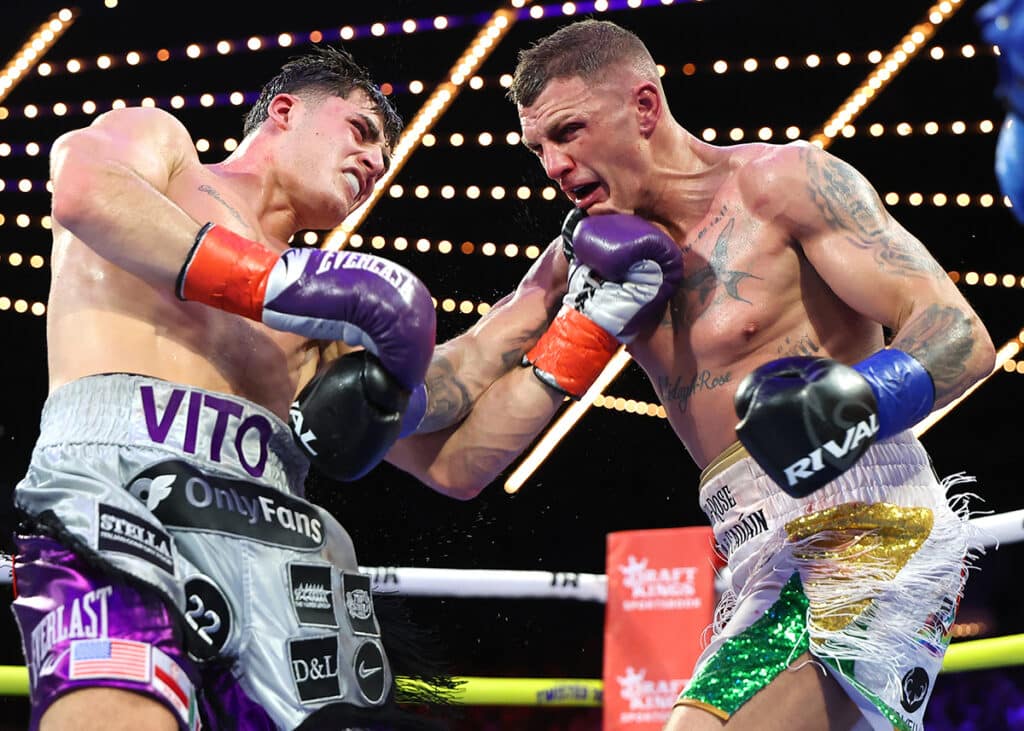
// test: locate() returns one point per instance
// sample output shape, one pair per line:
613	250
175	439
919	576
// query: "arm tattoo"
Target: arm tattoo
942	339
449	399
513	357
211	191
849	204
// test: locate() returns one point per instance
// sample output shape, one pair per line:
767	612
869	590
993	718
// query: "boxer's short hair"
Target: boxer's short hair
325	71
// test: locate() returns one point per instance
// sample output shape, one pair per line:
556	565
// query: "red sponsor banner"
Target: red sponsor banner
661	599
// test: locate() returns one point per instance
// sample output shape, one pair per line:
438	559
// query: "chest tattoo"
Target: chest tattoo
802	345
716	273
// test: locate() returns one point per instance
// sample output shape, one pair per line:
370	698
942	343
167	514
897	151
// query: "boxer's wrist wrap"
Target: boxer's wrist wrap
902	386
414	412
572	353
226	271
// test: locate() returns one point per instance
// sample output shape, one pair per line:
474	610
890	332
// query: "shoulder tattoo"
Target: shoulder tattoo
850	205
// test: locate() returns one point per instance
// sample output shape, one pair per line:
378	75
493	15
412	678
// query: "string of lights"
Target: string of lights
254	44
886	70
476	83
376	29
781	63
913	199
34	49
512	138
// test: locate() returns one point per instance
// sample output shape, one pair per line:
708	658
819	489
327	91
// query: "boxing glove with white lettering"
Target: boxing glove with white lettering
361	299
349	416
805	420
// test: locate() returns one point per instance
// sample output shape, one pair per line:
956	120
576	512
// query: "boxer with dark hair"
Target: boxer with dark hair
776	273
170	573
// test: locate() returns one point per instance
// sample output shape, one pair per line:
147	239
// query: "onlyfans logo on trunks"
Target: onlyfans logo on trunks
659	588
205	425
183	497
650	701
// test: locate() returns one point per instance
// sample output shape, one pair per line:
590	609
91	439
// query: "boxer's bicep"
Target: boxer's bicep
862	253
111	190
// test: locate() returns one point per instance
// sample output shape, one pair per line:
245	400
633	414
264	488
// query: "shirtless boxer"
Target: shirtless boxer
846	559
169	572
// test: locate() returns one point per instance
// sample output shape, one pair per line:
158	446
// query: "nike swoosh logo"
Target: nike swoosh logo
365	672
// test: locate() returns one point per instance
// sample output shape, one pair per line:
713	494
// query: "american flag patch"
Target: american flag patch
121	659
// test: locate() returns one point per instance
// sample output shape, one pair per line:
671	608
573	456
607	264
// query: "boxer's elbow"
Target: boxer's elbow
420	457
984	351
80	185
460	484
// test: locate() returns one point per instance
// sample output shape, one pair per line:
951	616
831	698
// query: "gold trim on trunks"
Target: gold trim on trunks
852	543
729	456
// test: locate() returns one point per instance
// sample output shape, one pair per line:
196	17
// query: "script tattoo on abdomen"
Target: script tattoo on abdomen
679	392
942	339
849	204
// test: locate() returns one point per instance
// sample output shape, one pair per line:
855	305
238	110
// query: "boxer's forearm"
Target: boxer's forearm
952	344
461	461
465	367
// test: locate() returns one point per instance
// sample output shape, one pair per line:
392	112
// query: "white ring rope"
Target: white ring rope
993	530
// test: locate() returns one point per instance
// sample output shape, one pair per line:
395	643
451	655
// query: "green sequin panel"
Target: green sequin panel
746	663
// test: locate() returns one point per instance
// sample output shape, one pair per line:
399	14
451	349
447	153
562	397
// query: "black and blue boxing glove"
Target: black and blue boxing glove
807	420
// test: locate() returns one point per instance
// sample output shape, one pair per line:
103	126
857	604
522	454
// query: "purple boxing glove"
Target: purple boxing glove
623	270
361	299
637	268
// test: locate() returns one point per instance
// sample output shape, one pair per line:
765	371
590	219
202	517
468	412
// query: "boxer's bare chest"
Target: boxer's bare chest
739	304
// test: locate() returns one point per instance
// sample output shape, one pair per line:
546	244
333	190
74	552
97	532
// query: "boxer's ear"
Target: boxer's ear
649	107
282	109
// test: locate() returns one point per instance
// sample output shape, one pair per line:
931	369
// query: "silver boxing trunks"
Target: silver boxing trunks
170	552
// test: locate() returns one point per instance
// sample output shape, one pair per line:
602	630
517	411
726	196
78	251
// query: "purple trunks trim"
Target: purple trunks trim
61	599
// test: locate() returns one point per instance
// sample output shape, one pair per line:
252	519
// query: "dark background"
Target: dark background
615	471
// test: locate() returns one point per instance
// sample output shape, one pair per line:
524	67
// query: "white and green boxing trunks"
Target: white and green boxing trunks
864	574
